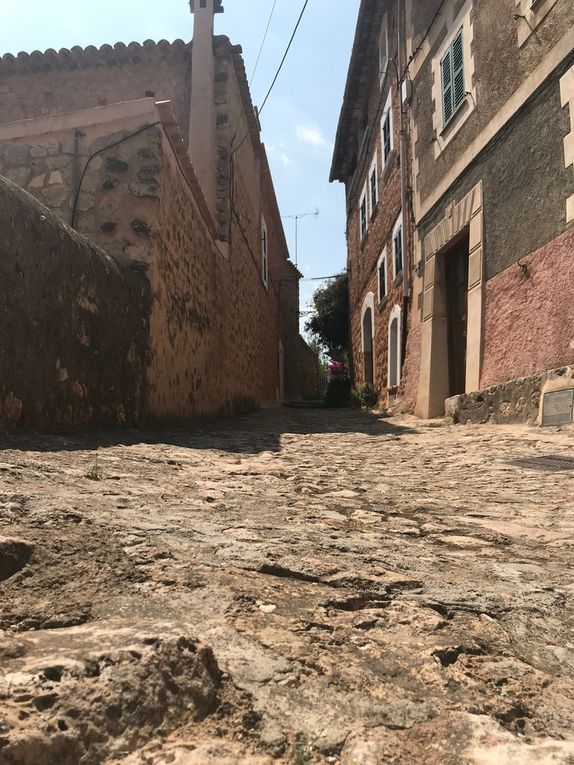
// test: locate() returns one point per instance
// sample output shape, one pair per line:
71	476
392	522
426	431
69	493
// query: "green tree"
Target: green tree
330	320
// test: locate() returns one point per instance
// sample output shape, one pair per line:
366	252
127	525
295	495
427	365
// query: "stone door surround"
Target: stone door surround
567	99
434	378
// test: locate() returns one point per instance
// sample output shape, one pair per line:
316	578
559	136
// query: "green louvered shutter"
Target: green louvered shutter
446	74
458	71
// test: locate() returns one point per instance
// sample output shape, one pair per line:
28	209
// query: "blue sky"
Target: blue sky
300	118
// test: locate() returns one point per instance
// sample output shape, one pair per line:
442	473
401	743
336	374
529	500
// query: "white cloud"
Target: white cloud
285	159
310	135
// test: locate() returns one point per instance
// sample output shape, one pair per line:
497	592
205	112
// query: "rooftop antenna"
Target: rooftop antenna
296	218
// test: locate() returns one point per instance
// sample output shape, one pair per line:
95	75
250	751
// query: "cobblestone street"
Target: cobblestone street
297	586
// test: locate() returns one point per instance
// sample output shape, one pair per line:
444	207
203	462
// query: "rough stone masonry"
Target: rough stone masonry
293	587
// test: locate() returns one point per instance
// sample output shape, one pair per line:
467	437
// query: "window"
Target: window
373	185
363	217
452	78
367	335
387	129
394	352
264	253
383	50
398	247
382	275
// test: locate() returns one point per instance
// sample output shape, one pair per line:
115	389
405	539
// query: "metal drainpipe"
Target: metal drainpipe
404	201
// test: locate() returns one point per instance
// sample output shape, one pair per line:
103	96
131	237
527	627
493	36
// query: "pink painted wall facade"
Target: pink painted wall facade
529	314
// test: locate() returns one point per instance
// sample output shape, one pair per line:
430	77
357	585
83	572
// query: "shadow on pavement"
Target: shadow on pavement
246	434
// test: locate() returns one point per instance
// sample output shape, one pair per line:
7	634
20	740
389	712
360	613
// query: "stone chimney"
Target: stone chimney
202	123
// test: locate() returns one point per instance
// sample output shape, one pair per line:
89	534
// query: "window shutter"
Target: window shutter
382	279
446	75
458	71
387	135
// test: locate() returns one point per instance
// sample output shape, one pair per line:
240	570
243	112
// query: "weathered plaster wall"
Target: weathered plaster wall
73	348
500	67
54	83
525	182
529	314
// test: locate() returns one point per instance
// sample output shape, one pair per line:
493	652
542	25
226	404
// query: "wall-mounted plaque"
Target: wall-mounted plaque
558	407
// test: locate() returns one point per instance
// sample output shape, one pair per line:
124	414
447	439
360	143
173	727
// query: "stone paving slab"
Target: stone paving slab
367	590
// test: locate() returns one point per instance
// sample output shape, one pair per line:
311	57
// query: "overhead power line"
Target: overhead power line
277	73
263	42
256	64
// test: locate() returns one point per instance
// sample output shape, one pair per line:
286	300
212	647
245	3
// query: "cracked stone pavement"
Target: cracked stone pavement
294	586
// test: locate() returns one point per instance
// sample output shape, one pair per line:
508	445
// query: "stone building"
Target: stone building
371	159
153	153
487	90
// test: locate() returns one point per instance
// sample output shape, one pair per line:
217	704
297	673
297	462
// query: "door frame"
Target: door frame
433	382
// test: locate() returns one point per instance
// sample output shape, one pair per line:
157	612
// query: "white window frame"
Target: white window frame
388	112
396	313
444	134
396	228
383	49
264	253
363	199
373	170
382	260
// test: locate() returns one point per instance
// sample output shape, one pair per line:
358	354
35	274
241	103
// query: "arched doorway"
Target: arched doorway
367	333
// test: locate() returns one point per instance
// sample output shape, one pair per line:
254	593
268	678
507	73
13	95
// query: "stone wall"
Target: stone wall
214	325
514	401
74	334
118	188
310	377
54	83
363	253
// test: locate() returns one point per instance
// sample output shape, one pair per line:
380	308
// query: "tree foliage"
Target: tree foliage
330	320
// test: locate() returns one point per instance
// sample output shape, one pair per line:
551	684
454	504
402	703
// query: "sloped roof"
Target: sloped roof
120	54
364	49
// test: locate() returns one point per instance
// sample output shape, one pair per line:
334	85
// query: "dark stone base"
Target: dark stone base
515	401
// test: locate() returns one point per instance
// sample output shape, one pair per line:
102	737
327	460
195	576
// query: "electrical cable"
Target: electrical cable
263	43
95	154
426	34
306	3
400	78
256	65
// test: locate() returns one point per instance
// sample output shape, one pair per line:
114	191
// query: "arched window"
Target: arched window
367	334
394	371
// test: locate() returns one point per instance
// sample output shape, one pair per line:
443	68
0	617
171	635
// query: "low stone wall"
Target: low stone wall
73	326
515	401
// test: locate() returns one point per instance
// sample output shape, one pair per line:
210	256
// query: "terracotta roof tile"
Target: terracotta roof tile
77	57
